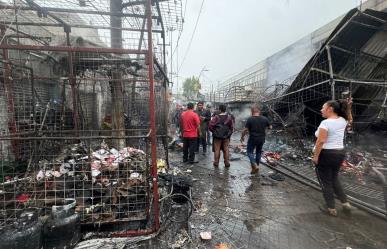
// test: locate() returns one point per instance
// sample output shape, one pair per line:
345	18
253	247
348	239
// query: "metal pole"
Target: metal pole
9	95
72	49
118	123
76	11
72	83
170	31
212	91
152	115
383	180
331	77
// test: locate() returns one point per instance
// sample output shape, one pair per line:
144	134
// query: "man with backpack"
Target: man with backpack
256	128
221	126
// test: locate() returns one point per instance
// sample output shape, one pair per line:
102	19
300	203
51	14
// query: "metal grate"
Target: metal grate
75	117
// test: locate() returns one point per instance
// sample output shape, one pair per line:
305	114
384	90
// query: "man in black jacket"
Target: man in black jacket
205	117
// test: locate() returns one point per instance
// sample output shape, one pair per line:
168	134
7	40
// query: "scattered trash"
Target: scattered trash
277	176
234	159
205	235
221	246
22	198
180	241
271	158
106	178
24	233
177	142
274	155
161	166
203	211
63	228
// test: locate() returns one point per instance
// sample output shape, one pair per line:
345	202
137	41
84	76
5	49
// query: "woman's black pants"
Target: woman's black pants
327	171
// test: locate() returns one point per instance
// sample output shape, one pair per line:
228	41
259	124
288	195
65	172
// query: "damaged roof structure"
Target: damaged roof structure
351	63
346	58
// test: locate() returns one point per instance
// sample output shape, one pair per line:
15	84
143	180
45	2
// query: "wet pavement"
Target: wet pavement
244	211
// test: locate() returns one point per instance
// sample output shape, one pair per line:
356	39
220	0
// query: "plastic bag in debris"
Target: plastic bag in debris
205	235
277	176
129	151
135	175
161	166
100	154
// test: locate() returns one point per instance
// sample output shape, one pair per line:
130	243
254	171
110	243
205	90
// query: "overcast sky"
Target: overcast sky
233	35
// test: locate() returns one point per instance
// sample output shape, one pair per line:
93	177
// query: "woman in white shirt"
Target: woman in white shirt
329	153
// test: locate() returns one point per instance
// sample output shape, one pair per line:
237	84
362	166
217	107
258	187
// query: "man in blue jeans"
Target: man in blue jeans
256	128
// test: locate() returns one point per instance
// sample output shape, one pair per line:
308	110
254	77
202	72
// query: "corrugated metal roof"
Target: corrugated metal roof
358	50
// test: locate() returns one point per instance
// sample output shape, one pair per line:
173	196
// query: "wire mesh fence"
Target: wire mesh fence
78	138
75	114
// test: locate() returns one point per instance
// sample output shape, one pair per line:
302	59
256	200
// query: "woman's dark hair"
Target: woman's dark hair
340	107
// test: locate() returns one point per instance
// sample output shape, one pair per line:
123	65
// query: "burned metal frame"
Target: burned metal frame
325	69
15	136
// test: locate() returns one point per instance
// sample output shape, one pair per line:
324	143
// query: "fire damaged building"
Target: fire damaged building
83	104
346	58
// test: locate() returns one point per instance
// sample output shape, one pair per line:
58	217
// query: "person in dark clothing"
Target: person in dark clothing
177	114
256	128
209	140
205	117
329	153
221	126
189	125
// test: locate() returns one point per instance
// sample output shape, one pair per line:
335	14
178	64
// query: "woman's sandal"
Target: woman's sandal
328	211
347	208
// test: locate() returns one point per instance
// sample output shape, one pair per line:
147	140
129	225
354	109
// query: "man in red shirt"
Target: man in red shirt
189	126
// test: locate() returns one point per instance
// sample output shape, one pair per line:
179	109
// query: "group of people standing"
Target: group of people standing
328	153
195	126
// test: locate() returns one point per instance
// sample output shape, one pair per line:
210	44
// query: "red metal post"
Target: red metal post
152	114
9	95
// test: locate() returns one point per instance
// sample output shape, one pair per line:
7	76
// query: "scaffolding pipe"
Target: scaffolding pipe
80	26
75	11
153	135
118	122
72	83
9	95
72	49
331	76
153	138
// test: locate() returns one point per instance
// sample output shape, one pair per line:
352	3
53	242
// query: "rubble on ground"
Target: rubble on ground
105	182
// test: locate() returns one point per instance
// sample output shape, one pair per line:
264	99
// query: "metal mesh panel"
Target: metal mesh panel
83	136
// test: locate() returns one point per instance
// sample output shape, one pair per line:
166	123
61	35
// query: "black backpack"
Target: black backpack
222	131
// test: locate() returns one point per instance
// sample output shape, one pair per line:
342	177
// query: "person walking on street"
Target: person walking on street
189	125
329	153
205	117
256	128
221	126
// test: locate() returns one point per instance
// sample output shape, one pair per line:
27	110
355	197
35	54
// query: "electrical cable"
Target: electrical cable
180	33
192	36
